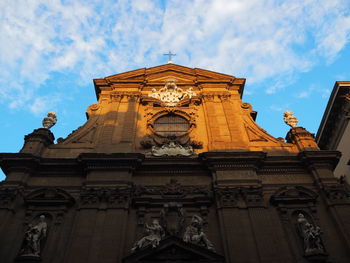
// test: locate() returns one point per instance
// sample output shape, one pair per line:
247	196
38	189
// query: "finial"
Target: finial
169	55
50	120
290	119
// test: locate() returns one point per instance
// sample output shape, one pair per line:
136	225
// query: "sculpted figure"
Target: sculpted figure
155	233
50	120
290	119
33	237
311	235
194	233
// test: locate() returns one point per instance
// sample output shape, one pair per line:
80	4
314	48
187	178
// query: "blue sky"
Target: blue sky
290	52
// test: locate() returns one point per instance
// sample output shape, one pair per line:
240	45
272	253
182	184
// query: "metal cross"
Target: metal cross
170	55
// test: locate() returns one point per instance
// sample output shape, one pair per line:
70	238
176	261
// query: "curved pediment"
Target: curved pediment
295	194
49	196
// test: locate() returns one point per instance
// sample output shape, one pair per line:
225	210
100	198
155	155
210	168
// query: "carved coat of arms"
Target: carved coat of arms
171	94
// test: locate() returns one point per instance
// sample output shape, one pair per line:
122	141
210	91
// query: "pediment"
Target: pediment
173	249
295	194
49	196
167	71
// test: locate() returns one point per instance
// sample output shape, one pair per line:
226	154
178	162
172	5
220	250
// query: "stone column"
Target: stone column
234	175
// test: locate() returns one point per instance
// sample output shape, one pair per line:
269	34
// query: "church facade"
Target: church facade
171	166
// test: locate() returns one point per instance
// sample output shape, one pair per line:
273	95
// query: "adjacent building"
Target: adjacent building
334	130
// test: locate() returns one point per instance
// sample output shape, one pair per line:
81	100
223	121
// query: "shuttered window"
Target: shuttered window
171	125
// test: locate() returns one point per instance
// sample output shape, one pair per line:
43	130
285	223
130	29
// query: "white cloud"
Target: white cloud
255	39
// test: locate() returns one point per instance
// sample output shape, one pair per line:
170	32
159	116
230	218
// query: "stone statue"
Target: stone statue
50	120
290	119
33	238
155	233
194	233
311	235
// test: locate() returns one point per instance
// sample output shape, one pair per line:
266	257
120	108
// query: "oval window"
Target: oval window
171	125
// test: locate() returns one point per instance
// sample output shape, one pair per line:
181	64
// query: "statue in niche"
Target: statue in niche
155	233
311	235
194	234
33	238
50	120
290	119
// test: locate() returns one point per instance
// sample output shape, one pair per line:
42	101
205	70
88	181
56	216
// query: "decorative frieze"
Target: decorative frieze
113	197
173	189
229	196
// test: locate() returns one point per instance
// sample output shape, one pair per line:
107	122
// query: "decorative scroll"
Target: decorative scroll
172	149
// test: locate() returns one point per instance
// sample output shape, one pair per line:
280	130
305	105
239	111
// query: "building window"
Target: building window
171	126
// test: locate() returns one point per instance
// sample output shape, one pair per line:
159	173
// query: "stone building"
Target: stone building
334	130
171	166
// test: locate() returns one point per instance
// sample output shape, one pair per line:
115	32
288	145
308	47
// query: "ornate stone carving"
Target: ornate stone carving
290	119
155	233
171	95
172	190
194	234
311	235
112	196
172	149
34	237
336	192
50	120
8	195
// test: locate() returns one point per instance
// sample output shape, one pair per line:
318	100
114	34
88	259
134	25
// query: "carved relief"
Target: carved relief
172	149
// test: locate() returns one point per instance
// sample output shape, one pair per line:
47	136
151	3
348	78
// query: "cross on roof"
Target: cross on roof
170	55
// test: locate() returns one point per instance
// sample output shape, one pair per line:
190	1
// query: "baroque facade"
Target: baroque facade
171	166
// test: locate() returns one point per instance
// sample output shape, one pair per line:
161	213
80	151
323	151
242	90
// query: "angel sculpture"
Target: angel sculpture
194	233
155	234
